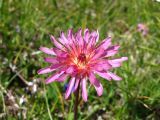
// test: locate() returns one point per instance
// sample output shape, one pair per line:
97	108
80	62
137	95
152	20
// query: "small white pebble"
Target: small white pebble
34	88
22	100
36	52
30	83
13	67
100	118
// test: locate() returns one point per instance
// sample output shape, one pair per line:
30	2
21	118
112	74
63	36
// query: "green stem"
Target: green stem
76	103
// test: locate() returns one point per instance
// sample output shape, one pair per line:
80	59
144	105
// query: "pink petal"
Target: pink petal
70	34
62	78
63	38
70	70
61	59
56	66
70	87
65	42
99	89
59	52
78	33
96	84
63	68
115	47
97	67
93	79
72	45
76	84
47	50
84	90
79	38
91	42
45	70
117	62
61	41
105	43
53	77
114	64
95	34
114	77
98	54
119	59
86	35
103	74
97	38
112	51
51	60
57	44
101	65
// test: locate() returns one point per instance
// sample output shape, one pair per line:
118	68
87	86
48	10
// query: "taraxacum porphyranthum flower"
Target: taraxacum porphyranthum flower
81	57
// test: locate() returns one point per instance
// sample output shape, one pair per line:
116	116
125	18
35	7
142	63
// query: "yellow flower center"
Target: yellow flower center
80	61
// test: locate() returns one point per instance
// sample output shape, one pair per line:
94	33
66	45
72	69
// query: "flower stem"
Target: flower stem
76	103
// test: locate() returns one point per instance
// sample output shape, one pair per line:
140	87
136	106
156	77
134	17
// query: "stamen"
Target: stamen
82	57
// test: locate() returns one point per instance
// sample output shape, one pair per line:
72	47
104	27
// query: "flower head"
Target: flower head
81	57
143	29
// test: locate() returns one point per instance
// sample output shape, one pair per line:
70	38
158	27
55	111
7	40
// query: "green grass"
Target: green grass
25	26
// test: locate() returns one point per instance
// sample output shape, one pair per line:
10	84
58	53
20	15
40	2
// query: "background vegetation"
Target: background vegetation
24	27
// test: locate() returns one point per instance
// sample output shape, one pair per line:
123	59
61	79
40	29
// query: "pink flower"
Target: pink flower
143	29
81	58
